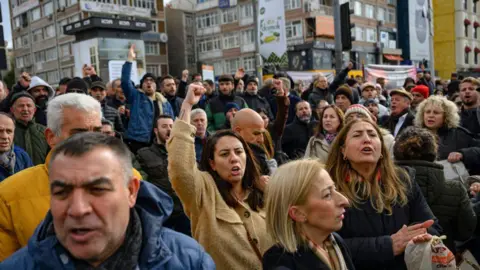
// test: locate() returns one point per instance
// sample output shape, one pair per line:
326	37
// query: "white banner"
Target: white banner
271	34
419	30
115	71
395	75
307	76
91	6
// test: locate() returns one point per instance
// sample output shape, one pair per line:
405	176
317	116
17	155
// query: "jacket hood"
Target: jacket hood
153	207
37	81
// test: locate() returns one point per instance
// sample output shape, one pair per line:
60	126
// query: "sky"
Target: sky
7	30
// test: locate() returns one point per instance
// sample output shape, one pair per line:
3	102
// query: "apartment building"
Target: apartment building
457	37
42	48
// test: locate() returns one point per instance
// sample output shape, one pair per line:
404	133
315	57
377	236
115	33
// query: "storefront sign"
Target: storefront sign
90	6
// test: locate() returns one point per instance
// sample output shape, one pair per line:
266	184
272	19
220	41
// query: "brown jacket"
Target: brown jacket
220	229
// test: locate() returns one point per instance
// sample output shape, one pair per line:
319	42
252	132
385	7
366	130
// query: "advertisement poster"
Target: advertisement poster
393	74
419	30
271	34
115	70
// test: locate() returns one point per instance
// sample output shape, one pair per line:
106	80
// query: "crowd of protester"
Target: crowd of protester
186	173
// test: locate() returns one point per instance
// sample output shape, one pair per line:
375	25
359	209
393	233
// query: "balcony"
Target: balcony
246	21
209	55
247	48
209	30
315	8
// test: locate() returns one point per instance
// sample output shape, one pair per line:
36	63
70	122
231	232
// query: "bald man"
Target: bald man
249	124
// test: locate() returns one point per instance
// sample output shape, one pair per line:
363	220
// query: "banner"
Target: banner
307	76
394	75
271	34
207	72
419	30
114	9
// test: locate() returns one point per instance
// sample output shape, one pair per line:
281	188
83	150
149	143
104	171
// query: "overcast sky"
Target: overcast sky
7	30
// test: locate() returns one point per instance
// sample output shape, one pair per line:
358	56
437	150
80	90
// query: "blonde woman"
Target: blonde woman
303	211
455	143
388	209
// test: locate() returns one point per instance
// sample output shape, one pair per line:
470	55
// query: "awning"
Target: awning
392	57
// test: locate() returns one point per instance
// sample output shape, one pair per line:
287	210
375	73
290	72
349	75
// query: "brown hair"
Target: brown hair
251	176
471	80
319	127
383	194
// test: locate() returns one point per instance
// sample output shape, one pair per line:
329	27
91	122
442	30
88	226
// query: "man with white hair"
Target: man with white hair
25	196
198	118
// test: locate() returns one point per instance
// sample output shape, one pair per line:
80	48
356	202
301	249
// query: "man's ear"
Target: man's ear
133	187
51	138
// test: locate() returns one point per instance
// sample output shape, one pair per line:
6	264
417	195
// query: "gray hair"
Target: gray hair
197	111
76	101
85	142
268	82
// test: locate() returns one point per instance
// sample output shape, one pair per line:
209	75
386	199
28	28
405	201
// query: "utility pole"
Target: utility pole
338	36
258	57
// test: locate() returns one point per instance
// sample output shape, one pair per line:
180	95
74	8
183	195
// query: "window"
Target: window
53	77
48	9
93	57
17	22
207	20
74	18
370	58
25	40
67	72
249	63
149	4
51	54
60	26
37	35
391	16
231	65
474	6
369	11
381	14
475	29
231	41
153	69
467	54
163	49
371	35
357	8
246	11
475	58
248	36
18	42
465	5
466	30
154	26
218	67
62	3
292	4
152	48
49	31
293	29
209	44
65	50
19	62
191	60
35	14
229	15
71	2
359	33
40	57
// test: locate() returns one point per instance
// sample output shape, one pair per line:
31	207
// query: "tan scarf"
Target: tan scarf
330	253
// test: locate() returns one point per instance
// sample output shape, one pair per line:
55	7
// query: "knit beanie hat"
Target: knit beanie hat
251	79
147	75
422	89
20	95
346	91
231	105
357	108
76	85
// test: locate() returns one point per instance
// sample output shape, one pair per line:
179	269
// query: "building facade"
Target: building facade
41	47
457	41
225	36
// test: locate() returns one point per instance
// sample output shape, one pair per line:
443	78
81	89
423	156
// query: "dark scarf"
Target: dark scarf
7	161
126	257
394	120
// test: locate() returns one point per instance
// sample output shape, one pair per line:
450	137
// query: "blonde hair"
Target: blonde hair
471	80
390	190
450	111
288	186
287	84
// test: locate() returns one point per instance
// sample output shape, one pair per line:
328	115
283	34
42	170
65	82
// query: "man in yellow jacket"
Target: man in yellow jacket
25	196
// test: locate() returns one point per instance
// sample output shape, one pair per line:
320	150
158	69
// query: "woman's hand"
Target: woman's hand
401	238
421	238
262	182
455	157
474	188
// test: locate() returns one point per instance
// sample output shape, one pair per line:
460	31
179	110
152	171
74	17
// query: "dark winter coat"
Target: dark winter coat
462	141
216	110
175	103
199	144
112	115
368	234
255	102
470	119
265	165
161	248
22	161
318	94
31	138
277	258
448	201
296	136
389	122
291	109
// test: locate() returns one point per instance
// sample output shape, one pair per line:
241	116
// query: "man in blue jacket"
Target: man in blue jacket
146	106
103	217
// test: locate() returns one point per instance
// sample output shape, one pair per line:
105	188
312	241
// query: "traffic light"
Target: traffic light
346	26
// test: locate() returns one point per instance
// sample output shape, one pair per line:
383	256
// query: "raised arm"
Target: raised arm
340	78
126	83
282	110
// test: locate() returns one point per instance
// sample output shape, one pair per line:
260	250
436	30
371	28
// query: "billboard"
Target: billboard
271	34
419	30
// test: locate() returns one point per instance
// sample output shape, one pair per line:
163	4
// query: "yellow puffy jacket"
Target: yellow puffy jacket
24	202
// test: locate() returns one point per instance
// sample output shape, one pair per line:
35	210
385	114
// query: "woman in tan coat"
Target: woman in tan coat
331	121
224	201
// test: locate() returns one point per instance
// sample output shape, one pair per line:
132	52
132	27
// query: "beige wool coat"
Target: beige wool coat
220	229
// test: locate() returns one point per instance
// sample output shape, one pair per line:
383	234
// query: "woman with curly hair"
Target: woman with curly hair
417	148
388	209
331	121
455	143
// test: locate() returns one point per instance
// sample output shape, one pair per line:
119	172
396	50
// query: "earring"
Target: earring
381	156
345	157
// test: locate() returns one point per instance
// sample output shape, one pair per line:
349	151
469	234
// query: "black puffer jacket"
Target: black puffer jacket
448	201
296	136
255	102
368	233
462	141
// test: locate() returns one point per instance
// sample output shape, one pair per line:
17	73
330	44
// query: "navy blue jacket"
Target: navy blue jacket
22	161
162	248
142	112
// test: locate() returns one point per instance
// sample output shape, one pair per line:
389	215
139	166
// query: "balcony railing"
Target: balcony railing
317	9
